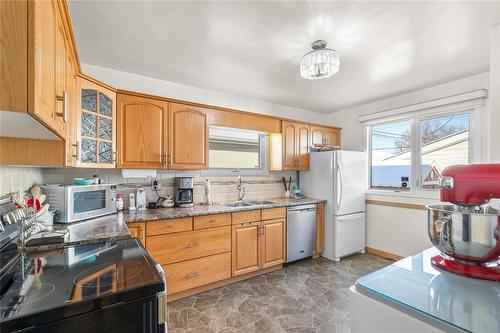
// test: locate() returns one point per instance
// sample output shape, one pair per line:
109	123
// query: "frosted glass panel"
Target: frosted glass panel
105	152
105	128
105	105
89	100
89	124
88	154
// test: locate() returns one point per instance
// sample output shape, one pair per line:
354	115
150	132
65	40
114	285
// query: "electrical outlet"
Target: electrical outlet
155	184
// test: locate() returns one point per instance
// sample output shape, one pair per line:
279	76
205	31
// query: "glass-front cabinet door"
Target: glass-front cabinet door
96	126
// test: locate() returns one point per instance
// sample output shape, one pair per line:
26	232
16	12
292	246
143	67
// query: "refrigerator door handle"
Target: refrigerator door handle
340	186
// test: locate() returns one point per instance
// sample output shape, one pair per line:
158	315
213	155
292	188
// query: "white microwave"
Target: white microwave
79	202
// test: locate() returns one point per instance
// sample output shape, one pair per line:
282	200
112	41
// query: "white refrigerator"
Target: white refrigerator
340	178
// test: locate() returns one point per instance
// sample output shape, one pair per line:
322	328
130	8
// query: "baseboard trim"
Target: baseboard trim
218	284
383	254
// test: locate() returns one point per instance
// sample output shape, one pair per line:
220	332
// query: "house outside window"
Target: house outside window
413	152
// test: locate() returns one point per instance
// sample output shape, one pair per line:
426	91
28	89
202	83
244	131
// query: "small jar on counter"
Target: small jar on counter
119	202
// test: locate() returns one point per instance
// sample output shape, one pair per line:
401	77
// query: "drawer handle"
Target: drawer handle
211	221
192	245
191	275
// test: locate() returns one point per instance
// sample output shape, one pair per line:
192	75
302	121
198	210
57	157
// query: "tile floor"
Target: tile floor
308	296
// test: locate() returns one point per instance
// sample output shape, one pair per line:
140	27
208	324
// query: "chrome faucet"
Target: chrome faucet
241	189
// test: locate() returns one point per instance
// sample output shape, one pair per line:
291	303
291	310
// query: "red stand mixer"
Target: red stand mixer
467	231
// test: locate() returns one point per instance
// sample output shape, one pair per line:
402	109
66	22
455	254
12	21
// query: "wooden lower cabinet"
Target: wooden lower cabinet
197	272
258	245
171	248
245	248
138	230
273	237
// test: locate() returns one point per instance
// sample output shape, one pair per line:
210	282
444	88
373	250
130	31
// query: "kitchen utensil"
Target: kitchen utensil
289	183
284	183
467	231
83	181
36	192
42	198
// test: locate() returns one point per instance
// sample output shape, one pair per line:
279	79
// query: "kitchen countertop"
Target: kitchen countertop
414	283
199	209
114	226
101	229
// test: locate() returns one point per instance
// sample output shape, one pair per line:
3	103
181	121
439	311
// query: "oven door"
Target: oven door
90	201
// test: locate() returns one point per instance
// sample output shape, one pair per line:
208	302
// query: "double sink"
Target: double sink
247	203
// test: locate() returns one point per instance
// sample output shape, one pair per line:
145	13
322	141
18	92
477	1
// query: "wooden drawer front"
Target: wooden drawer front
169	226
247	216
167	249
273	213
210	221
197	272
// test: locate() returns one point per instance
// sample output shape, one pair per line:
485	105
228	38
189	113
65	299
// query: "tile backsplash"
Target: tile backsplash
13	179
223	188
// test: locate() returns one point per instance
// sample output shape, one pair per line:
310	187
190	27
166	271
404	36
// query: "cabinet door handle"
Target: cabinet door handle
192	245
191	275
77	150
114	156
64	99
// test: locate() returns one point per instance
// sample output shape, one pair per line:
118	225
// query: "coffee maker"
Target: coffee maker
183	189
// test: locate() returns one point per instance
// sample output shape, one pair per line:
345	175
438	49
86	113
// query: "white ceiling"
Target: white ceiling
252	48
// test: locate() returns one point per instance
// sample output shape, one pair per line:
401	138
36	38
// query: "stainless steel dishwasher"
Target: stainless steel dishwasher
300	232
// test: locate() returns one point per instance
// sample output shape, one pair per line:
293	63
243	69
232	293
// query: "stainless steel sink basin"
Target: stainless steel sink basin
260	202
237	204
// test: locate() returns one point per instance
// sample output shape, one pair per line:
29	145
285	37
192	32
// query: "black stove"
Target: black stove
105	287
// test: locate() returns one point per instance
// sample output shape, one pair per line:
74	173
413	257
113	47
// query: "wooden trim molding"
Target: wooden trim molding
396	204
383	254
248	114
20	151
95	81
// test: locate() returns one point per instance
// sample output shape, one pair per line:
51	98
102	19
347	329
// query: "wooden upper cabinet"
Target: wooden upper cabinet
273	243
94	143
303	146
188	137
47	66
142	132
245	248
296	140
289	142
325	135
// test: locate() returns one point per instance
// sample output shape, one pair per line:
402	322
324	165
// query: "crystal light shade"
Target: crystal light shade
320	63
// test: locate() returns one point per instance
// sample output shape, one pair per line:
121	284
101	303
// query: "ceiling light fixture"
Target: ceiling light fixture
320	63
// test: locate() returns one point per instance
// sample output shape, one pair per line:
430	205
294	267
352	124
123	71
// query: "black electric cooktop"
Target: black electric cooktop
41	288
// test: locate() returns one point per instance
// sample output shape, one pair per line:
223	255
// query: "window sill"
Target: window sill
420	197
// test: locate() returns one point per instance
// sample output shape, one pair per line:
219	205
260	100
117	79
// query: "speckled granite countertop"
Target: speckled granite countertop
114	227
101	229
172	213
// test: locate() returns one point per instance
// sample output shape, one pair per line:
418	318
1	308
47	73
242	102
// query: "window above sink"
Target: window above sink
234	151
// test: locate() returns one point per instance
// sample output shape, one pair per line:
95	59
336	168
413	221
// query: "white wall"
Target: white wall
495	95
404	231
148	85
352	129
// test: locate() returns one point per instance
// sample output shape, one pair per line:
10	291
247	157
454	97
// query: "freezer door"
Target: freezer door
349	234
349	182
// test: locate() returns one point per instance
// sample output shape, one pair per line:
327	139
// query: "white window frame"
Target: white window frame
263	170
474	107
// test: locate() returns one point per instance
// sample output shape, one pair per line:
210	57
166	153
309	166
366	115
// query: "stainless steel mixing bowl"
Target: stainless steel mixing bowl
465	233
